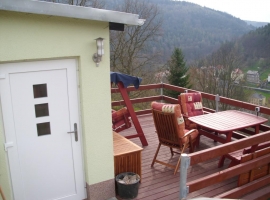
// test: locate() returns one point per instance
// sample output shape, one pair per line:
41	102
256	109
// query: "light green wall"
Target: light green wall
37	37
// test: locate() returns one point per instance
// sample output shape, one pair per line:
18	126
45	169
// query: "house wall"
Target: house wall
26	37
254	78
258	101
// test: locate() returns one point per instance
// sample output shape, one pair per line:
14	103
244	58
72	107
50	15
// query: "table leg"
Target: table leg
257	130
216	133
222	158
229	137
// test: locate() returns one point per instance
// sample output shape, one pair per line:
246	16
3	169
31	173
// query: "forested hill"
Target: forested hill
256	43
197	30
255	48
256	24
249	52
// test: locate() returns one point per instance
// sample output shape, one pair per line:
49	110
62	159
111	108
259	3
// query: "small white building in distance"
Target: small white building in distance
237	75
253	76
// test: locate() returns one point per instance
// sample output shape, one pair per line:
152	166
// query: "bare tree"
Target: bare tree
131	50
214	76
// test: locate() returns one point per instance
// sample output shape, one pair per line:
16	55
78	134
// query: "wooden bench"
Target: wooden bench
255	173
127	155
236	156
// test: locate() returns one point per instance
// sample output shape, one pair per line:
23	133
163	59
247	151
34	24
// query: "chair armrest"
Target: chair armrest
184	116
206	112
188	133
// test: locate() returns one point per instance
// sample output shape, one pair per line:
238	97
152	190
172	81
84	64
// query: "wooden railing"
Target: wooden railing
222	175
232	102
220	150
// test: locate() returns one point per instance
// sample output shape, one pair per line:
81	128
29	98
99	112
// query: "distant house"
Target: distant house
219	69
237	75
258	99
253	76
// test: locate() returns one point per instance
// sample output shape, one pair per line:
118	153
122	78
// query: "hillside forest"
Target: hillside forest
213	43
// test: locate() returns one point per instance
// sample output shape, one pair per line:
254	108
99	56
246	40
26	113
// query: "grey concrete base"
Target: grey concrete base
101	191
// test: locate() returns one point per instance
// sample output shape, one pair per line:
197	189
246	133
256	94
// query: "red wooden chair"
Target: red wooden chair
170	128
120	120
191	105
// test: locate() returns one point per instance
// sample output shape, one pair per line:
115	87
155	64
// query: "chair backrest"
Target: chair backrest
119	114
120	119
169	122
191	104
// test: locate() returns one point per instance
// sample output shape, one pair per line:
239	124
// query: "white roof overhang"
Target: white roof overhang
70	11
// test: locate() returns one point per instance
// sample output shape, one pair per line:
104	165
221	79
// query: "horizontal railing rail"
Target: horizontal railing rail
232	102
207	154
222	175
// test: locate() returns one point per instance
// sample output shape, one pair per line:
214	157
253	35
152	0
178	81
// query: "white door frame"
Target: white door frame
7	112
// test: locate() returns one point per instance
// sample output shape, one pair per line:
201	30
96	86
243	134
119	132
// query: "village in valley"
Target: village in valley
261	87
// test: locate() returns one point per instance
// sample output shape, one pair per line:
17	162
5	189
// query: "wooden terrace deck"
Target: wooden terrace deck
160	183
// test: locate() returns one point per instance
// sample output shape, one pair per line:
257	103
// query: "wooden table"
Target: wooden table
127	155
226	122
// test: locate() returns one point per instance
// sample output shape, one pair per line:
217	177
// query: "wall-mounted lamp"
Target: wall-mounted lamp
100	51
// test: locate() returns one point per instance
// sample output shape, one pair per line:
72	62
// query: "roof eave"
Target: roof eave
70	11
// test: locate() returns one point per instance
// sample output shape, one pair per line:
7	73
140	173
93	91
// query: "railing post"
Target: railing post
257	110
161	92
161	89
217	102
184	189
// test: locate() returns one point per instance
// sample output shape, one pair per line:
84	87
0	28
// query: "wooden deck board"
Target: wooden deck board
159	181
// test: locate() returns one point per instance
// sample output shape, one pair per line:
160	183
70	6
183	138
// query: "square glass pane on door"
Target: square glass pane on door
43	129
40	90
42	110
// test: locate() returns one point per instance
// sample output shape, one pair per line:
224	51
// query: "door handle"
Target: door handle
75	132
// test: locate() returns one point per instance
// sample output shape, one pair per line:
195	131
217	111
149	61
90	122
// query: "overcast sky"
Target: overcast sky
252	10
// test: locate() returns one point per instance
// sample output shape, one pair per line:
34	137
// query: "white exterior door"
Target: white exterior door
40	106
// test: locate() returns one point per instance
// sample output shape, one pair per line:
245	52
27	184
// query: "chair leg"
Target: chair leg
171	151
191	147
179	160
198	141
153	162
177	165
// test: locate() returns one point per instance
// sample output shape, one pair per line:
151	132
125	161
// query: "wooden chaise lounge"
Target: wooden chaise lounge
257	172
236	156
